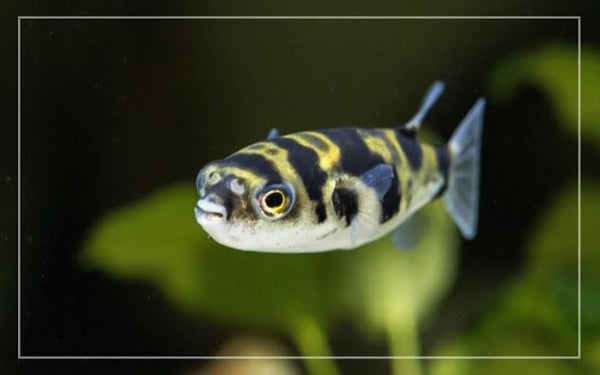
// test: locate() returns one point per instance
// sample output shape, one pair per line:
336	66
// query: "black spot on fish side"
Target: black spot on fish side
320	211
411	148
345	204
391	200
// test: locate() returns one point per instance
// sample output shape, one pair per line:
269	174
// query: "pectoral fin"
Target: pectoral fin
379	178
410	232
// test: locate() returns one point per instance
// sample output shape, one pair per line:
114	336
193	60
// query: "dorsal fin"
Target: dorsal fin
429	100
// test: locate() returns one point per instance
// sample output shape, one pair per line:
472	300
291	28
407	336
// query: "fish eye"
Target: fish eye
275	201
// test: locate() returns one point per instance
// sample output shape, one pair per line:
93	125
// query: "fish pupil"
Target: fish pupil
274	200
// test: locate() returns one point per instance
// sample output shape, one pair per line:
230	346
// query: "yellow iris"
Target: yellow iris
274	202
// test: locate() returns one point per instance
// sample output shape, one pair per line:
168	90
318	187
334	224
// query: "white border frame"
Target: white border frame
578	18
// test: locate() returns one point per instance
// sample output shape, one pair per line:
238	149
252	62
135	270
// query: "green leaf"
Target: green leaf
553	258
382	289
155	240
158	240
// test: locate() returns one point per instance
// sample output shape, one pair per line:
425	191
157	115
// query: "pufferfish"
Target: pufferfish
340	188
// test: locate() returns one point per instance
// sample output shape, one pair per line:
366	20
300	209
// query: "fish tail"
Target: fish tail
462	192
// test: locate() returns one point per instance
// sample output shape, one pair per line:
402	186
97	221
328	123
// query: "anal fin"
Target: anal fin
411	231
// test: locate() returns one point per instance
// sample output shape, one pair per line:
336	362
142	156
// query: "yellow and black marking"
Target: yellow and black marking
254	163
313	158
331	189
305	162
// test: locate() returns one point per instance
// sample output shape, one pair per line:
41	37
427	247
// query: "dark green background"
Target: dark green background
115	109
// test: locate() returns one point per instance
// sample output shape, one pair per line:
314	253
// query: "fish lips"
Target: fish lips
208	211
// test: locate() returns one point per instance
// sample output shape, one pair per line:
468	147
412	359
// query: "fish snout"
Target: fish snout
211	208
218	196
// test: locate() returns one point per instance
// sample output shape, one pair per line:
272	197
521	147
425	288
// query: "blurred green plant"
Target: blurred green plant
387	293
385	290
553	68
538	313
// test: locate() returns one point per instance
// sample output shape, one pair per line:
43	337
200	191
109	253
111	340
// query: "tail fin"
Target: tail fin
462	194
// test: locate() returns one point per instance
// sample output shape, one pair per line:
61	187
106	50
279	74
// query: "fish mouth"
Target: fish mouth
209	210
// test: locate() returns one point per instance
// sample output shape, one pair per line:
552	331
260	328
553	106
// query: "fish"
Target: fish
340	188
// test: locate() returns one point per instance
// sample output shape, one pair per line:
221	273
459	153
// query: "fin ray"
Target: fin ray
408	234
379	178
274	133
429	100
462	195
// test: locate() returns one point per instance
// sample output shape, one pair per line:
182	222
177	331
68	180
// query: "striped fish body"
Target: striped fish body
329	189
